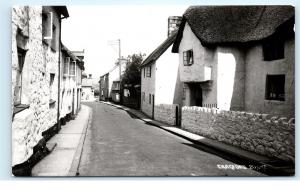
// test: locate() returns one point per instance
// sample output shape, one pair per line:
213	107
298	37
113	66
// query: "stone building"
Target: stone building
37	73
70	86
238	58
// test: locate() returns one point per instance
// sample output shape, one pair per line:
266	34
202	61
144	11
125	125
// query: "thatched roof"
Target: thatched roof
233	24
160	50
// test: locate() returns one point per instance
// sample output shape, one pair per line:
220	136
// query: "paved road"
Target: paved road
118	144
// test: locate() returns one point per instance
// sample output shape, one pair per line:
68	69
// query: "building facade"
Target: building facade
103	87
35	76
110	82
161	89
234	69
87	88
71	89
239	80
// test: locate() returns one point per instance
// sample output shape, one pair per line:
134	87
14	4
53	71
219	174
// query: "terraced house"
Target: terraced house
38	61
71	86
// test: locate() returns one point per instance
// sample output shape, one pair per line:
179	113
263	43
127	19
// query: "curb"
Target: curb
215	148
74	169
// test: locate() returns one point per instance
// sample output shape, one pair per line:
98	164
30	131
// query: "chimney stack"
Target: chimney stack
173	24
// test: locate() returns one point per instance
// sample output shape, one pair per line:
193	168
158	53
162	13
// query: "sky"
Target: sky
140	28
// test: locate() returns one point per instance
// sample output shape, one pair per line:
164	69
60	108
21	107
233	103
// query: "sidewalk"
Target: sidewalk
257	162
64	159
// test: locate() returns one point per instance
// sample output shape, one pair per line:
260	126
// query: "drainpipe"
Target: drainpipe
59	61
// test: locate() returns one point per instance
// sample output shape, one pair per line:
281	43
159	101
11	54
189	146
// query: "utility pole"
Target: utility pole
119	40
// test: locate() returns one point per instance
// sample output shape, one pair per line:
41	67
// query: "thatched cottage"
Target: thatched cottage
238	58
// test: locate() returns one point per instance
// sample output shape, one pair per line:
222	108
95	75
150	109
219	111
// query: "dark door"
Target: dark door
196	95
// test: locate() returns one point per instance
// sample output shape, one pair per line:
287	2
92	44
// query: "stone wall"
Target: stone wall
261	133
165	113
40	61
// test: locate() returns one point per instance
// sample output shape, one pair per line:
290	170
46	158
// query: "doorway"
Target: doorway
196	95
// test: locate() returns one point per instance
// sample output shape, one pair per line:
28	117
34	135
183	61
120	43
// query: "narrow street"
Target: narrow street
118	144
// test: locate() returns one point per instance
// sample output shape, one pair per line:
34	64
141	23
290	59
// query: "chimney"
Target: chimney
173	24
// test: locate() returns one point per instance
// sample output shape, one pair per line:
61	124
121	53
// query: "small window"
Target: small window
18	87
149	98
275	87
54	38
148	71
72	68
188	58
273	48
144	72
52	76
66	65
47	22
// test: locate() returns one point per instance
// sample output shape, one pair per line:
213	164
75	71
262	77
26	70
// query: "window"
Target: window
188	58
18	87
52	76
273	48
47	21
66	66
149	98
54	38
144	72
275	87
148	71
72	68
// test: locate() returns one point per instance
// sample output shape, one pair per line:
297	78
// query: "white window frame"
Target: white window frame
50	28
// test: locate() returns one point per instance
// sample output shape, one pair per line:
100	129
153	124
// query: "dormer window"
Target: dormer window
188	58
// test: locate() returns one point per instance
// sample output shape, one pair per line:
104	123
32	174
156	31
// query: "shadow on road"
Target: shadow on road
265	168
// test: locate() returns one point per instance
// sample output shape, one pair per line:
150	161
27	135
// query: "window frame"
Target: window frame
21	53
270	81
51	86
188	57
148	71
44	14
70	68
66	66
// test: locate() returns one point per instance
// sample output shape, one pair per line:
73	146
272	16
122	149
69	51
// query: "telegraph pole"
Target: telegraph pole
119	40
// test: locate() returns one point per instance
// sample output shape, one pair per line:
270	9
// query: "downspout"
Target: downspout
59	61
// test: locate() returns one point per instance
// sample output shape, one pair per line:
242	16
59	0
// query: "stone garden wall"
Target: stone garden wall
261	133
165	113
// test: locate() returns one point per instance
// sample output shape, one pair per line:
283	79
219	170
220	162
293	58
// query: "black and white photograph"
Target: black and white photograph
152	90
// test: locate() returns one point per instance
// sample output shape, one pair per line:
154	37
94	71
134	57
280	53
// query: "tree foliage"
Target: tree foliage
132	74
